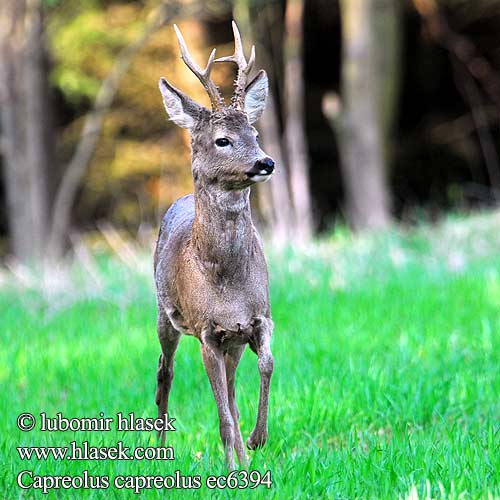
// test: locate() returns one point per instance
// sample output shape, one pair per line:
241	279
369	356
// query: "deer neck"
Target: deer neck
222	230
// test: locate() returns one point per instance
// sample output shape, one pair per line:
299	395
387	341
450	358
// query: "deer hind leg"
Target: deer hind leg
261	346
232	359
213	359
169	340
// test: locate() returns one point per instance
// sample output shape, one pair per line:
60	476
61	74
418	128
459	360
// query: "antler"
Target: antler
244	67
203	75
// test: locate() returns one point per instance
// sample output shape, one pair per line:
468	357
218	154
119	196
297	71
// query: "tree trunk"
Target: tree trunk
14	161
364	121
24	95
296	144
39	131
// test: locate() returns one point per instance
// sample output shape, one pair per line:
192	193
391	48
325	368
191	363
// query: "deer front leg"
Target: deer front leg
232	359
169	340
261	346
213	359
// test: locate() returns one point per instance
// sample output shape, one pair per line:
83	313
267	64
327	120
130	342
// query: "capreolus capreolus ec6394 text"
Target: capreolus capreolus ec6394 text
210	272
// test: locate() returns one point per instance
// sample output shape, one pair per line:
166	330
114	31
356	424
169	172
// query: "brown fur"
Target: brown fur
210	271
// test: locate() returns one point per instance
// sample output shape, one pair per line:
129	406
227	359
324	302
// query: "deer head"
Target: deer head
225	153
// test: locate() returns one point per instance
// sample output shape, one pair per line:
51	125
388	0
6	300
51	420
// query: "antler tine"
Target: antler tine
202	75
244	66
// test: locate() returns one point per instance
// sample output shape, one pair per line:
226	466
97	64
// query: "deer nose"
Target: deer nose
265	166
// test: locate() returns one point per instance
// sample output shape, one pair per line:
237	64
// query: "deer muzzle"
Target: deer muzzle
262	170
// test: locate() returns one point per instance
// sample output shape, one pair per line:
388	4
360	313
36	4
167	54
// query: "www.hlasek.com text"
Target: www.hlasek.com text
85	451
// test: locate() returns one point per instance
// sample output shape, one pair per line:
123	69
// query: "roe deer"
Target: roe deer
210	271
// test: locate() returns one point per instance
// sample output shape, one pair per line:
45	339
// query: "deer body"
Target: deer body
210	271
210	267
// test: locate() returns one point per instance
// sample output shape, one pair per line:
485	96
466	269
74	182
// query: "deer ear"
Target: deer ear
255	96
182	110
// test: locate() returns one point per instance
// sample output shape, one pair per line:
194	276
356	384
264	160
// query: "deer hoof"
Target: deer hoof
256	440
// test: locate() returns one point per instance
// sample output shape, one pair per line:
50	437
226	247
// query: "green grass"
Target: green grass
386	383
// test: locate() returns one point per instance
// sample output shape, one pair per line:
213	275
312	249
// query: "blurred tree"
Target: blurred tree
296	141
27	132
370	44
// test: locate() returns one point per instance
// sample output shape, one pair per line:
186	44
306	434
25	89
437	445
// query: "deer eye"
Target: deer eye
222	142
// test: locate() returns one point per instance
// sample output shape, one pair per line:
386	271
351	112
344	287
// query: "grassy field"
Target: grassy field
386	384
